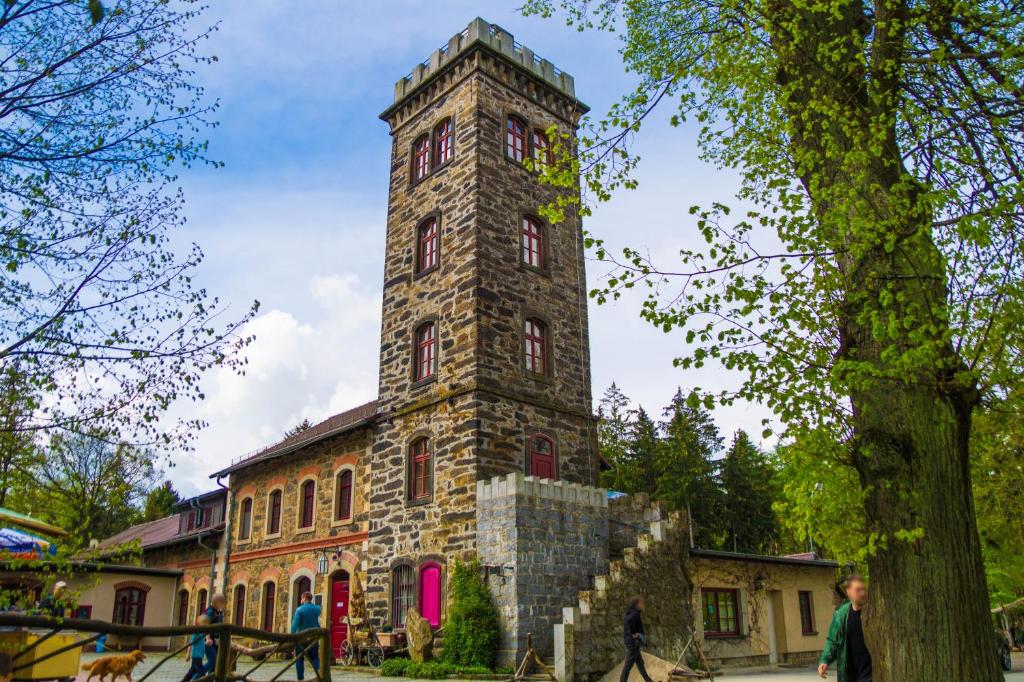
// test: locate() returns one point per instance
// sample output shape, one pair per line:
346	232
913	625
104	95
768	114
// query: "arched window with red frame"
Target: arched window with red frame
426	351
301	586
245	523
535	346
183	607
274	513
421	470
343	497
269	604
238	615
541	456
129	606
515	139
542	148
308	502
428	243
200	602
443	150
533	242
421	157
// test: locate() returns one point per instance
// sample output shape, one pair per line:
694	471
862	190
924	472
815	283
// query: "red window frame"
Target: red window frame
245	523
428	245
426	351
515	139
806	612
420	470
542	151
269	603
403	593
535	341
443	151
533	243
129	606
190	523
712	601
421	157
302	584
308	503
183	607
238	616
201	602
343	508
274	517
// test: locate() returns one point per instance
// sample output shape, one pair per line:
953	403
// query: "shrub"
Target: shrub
471	631
394	667
429	670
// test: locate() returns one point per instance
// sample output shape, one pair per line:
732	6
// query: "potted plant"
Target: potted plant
389	638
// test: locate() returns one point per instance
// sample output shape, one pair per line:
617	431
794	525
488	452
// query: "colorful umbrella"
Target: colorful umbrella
25	545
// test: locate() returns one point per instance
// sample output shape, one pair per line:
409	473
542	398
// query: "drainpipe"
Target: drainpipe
229	509
211	550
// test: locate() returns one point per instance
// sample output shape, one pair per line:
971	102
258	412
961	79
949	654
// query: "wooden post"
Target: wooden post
222	668
325	656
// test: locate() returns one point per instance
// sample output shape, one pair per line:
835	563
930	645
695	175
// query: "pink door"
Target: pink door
430	593
338	611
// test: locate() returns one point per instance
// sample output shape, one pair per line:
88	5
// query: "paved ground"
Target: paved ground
174	670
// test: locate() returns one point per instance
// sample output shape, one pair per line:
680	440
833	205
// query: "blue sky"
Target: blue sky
296	217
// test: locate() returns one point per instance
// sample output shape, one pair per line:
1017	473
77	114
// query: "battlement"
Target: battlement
541	488
499	40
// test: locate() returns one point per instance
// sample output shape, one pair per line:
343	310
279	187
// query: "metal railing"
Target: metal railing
228	651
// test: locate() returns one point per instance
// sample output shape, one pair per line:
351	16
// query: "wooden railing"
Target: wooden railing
228	646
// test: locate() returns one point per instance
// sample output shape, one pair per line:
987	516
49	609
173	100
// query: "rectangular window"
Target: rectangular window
541	148
806	613
344	498
420	466
533	243
443	143
403	594
720	612
515	139
274	524
427	257
245	527
421	158
308	502
426	340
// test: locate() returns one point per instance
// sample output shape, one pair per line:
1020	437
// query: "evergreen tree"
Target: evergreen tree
18	449
160	502
613	435
749	486
302	426
638	470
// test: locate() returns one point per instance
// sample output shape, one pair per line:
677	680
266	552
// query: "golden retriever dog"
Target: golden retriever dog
115	666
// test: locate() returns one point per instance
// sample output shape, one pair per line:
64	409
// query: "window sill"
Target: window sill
272	536
420	383
423	273
247	541
419	502
430	173
543	272
338	523
723	635
810	633
302	531
538	377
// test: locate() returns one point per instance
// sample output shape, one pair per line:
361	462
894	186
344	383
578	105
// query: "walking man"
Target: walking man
307	617
844	645
215	612
634	638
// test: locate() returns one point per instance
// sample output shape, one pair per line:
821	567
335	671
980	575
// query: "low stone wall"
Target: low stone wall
541	542
629	516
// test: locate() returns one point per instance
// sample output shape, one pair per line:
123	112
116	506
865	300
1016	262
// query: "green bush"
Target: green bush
394	667
471	631
430	670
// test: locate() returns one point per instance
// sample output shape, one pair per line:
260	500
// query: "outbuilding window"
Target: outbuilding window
806	613
129	606
720	612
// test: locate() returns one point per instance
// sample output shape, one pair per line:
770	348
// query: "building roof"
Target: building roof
148	534
794	560
28	523
89	567
201	497
332	426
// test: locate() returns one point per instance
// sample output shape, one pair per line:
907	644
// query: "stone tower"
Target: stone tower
485	361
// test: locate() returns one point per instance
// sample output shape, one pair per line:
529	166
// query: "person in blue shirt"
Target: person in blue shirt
215	613
196	651
307	617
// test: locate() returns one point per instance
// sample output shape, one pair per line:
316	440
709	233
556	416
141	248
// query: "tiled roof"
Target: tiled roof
149	533
332	426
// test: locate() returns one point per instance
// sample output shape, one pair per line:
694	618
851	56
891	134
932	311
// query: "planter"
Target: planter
392	640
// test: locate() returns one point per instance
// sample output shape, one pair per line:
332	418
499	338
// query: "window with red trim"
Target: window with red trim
720	612
428	245
274	513
200	603
421	470
269	601
183	607
443	142
307	504
515	139
129	606
343	508
533	242
426	351
542	148
245	523
421	157
535	341
238	617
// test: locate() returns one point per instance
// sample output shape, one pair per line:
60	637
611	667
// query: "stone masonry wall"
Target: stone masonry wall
542	542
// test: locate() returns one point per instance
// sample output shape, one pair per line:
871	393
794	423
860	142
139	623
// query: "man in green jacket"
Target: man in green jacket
844	645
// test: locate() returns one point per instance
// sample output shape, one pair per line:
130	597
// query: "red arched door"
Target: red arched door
542	457
430	593
338	610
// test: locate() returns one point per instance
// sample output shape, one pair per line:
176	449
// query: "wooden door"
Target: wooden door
338	610
542	457
430	594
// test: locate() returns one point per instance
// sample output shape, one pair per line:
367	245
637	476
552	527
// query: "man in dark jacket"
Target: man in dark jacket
844	645
633	637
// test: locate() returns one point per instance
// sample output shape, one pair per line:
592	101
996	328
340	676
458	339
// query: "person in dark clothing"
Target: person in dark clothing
215	613
54	605
634	637
844	644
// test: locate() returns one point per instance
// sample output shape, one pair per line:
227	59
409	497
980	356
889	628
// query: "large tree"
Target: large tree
880	144
750	489
99	108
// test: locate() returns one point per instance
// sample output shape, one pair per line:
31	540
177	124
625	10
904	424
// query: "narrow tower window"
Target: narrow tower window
533	242
443	142
426	351
421	157
515	139
535	339
542	148
428	251
421	470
